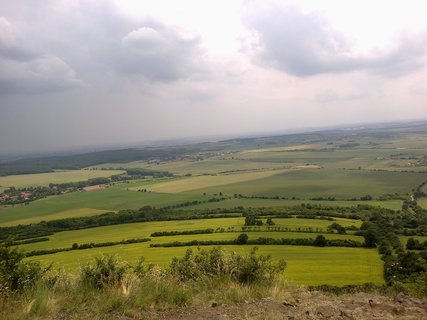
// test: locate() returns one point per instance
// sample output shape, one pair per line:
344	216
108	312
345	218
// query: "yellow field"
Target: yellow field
194	183
43	179
81	212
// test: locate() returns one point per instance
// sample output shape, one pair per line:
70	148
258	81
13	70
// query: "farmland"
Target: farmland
303	183
43	179
336	266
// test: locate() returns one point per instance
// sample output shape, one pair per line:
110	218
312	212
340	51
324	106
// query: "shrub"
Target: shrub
107	271
15	274
242	238
217	263
320	241
253	268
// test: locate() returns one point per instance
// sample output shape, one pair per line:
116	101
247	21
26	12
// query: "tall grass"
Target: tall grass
109	287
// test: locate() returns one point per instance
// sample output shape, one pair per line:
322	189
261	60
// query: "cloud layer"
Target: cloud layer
304	44
111	72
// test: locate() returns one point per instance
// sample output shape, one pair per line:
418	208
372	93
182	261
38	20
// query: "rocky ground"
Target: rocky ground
307	305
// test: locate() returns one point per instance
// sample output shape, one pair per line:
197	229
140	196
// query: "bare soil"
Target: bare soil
305	305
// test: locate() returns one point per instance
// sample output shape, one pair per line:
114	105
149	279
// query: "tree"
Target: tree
320	241
242	238
16	274
270	221
371	238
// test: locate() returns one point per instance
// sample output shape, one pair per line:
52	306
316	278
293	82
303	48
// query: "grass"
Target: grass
422	202
267	203
43	179
212	165
200	182
80	212
404	239
306	265
341	184
113	198
142	230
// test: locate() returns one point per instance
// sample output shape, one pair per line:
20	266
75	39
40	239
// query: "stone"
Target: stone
326	311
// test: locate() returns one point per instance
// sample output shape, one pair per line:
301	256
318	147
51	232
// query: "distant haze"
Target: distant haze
77	74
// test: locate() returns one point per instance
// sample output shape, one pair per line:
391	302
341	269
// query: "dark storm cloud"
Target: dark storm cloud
27	71
305	44
88	43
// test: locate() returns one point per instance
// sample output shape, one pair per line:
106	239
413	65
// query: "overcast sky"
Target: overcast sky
95	73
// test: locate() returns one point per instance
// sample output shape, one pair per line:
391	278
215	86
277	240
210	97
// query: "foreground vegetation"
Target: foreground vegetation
108	287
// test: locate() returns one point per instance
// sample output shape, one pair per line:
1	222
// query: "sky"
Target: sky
82	74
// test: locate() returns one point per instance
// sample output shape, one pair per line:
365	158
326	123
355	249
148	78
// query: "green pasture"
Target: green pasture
404	239
211	165
200	182
112	198
271	203
144	229
422	202
341	184
43	179
305	265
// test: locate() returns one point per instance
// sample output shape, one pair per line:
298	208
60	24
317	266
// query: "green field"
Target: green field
341	184
404	239
297	168
271	203
43	179
212	165
144	229
113	198
305	265
422	202
201	182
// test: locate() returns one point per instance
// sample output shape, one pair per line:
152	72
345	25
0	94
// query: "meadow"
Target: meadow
305	265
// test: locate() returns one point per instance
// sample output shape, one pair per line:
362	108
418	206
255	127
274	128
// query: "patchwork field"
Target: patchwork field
112	198
143	230
341	184
43	179
277	203
202	182
268	173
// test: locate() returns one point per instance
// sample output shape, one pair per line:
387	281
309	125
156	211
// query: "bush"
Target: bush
217	263
15	274
106	272
242	238
253	268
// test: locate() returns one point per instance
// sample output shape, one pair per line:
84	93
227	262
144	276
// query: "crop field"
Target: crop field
271	203
212	165
341	184
201	182
422	202
305	265
112	198
143	230
286	173
43	179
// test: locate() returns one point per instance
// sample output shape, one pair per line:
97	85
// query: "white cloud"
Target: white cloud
305	44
